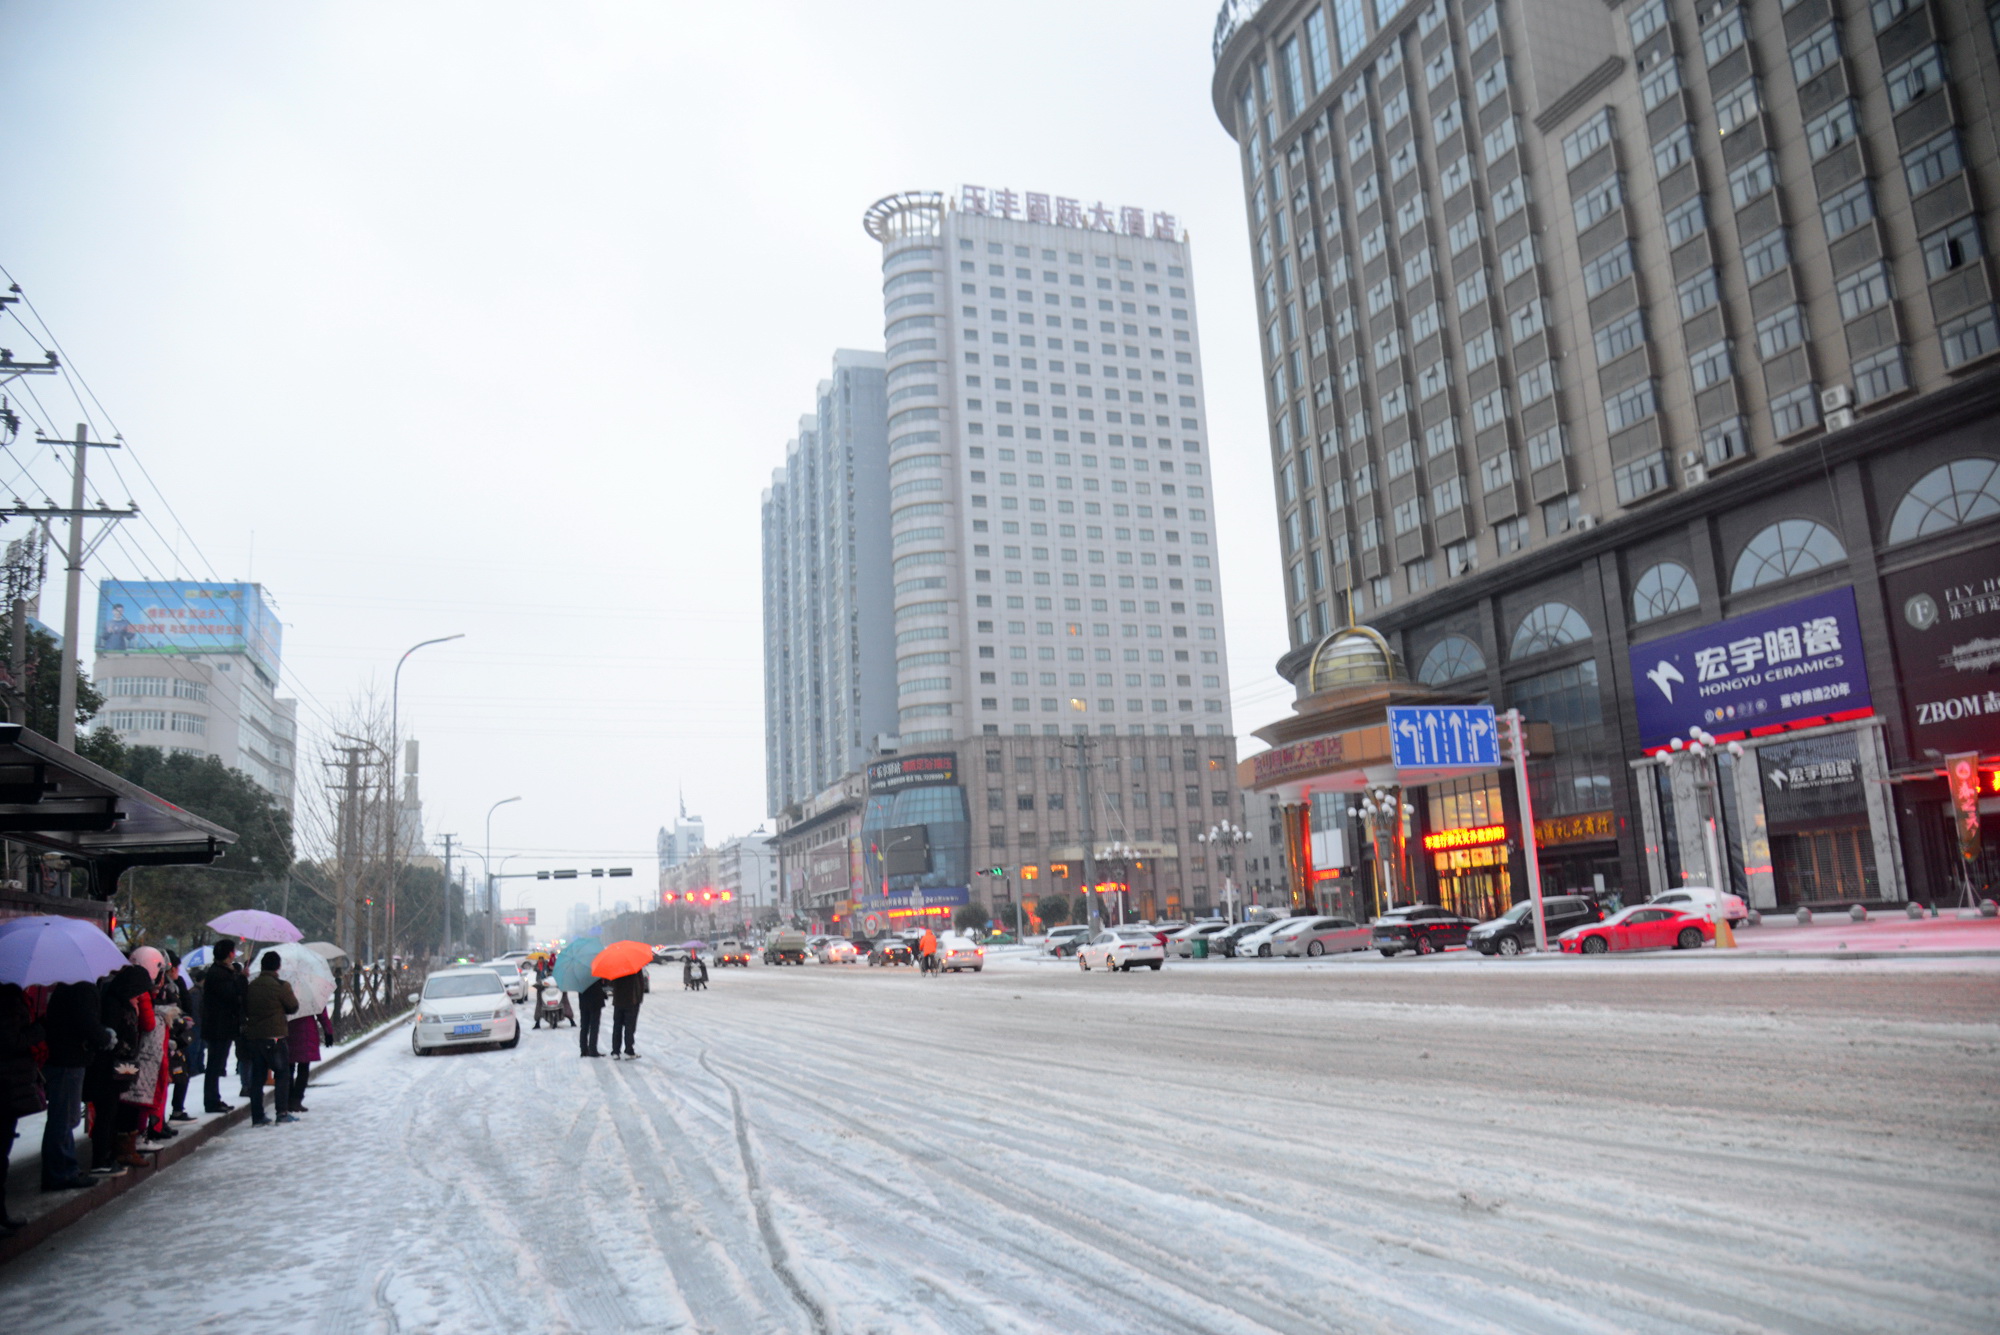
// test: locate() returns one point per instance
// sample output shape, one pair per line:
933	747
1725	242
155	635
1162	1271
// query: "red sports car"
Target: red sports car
1641	927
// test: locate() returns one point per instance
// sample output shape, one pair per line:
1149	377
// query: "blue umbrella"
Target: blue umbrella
572	967
49	950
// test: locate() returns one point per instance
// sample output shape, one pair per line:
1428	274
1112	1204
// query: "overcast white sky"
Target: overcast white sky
495	317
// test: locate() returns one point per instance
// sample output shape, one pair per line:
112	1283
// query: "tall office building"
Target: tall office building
829	682
1054	564
192	668
1594	329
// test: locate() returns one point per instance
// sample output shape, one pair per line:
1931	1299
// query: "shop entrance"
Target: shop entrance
1813	866
1475	882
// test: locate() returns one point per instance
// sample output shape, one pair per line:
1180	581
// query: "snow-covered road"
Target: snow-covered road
1032	1149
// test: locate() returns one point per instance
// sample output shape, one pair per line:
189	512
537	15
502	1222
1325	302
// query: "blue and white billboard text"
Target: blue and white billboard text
1439	736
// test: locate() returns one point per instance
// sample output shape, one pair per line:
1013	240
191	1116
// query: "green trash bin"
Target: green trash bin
1201	947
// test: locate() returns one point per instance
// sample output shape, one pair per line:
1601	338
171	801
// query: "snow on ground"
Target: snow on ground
1283	1148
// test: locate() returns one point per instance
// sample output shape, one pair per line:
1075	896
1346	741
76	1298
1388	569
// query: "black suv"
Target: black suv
1514	931
1423	929
891	950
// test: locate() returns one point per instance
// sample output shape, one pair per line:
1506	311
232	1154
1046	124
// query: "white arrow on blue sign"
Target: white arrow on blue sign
1441	736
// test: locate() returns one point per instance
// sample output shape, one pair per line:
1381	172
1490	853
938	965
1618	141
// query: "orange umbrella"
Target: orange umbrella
621	958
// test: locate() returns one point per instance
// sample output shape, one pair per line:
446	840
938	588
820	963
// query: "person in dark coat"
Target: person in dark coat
627	994
74	1035
225	991
591	1002
266	1027
20	1082
126	1009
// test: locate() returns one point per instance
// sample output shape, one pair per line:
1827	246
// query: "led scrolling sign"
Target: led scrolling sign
1061	211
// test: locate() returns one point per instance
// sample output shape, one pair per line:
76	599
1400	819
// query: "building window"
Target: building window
1549	626
1630	406
1845	210
1711	365
1418	575
1863	290
1787	548
1951	247
1880	375
1641	477
1818	49
1561	514
1766	255
1723	442
1960	492
1794	411
1970	336
1698	293
1735	108
1723	35
1619	337
1662	590
1914	77
1753	179
1830	129
1776	333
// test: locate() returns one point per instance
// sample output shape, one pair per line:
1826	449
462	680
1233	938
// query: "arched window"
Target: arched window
1663	590
1450	658
1787	548
1549	626
1957	493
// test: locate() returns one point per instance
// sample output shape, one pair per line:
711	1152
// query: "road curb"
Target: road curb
80	1204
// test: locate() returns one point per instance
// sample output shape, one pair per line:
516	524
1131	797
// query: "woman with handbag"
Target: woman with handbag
20	1082
114	1124
150	1087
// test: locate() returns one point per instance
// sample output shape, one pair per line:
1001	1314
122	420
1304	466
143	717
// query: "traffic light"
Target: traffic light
669	897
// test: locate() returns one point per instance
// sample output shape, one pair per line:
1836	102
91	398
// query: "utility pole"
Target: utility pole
347	837
26	567
1083	745
447	892
77	554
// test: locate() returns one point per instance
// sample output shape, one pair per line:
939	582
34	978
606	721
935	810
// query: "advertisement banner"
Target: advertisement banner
1799	660
1814	780
182	617
1944	621
887	776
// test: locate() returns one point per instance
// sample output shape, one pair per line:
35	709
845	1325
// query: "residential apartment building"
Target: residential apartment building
192	669
829	679
1589	326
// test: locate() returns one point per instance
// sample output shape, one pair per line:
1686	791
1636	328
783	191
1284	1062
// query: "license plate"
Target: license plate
466	1029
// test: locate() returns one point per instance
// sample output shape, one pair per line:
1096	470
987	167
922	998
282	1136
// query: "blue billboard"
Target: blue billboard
182	617
1799	660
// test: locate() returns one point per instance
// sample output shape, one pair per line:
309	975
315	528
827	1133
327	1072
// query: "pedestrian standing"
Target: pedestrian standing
302	1039
184	1038
74	1035
225	990
265	1026
146	1097
627	994
20	1083
127	1011
591	1002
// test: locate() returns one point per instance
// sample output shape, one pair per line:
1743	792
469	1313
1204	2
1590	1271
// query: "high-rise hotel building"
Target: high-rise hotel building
1053	566
1590	325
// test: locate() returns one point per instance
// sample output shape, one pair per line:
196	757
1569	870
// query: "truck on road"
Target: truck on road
785	948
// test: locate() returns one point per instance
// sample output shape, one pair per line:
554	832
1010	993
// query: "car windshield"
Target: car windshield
462	985
1135	934
1519	913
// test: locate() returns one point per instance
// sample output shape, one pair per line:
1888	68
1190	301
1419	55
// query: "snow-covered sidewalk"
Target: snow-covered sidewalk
1030	1149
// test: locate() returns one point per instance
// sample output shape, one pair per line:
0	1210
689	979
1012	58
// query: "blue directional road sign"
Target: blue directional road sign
1440	736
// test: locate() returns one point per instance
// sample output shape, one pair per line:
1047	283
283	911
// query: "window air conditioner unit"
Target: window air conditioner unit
1586	521
1694	475
1835	398
1839	419
1689	458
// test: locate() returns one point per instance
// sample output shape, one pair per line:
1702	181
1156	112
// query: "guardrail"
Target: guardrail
365	995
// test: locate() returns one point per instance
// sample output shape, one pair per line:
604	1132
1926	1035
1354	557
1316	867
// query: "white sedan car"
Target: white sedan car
1321	936
463	1006
960	952
1182	942
1705	902
1259	943
1121	948
837	950
510	975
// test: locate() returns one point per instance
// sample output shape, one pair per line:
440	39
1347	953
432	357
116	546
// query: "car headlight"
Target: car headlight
425	1017
502	1014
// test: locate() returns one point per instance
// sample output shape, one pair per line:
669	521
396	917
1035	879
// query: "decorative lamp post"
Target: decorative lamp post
1225	835
1696	755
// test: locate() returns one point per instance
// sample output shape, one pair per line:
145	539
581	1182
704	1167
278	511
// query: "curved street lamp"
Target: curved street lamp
395	793
492	912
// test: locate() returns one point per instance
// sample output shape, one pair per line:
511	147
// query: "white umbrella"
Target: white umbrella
326	950
308	974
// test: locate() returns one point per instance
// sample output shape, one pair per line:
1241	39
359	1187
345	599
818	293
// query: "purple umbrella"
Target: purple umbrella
255	925
51	950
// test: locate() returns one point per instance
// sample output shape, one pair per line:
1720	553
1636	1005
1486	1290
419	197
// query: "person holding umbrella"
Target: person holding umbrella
590	1002
624	963
20	1082
69	956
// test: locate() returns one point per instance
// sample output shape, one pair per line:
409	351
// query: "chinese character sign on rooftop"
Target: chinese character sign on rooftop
1799	660
1061	211
1442	736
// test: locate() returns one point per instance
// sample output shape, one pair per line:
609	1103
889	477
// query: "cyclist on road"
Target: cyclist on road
927	951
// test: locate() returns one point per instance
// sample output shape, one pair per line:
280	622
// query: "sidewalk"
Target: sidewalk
47	1213
1883	934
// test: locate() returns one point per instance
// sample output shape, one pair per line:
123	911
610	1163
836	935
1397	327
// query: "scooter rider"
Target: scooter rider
927	951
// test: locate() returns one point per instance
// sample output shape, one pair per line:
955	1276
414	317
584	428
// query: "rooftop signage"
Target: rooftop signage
1062	211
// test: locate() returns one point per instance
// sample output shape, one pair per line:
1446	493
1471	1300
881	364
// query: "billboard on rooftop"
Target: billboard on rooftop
183	617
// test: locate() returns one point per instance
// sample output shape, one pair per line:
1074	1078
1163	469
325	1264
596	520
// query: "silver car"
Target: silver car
460	1007
1321	936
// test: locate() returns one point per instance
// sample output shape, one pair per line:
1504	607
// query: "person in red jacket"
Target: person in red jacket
927	951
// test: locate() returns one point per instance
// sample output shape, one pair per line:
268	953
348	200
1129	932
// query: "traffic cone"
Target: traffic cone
1725	939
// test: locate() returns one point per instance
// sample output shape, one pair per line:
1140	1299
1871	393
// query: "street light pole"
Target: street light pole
487	862
395	791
